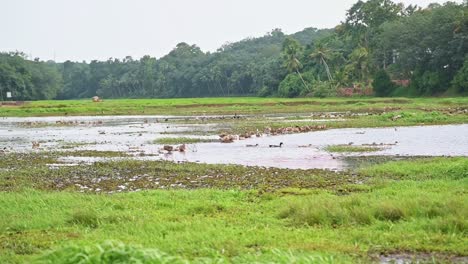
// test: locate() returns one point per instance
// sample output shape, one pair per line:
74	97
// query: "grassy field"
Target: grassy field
241	215
229	106
130	211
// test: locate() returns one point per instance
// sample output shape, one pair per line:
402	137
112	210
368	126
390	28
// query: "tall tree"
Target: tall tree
321	54
291	51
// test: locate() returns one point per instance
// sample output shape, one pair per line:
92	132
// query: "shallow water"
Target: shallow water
133	134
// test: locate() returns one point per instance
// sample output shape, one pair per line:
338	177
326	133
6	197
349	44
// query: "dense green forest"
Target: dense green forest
381	48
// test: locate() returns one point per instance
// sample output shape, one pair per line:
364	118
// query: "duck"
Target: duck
305	146
227	139
252	146
168	148
277	146
182	148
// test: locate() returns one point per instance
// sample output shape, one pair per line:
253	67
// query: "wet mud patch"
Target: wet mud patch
134	175
419	257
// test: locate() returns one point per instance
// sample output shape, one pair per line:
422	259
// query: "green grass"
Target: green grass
351	148
420	169
406	216
182	140
240	215
243	105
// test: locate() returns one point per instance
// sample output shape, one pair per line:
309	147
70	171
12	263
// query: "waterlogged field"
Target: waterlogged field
350	184
226	106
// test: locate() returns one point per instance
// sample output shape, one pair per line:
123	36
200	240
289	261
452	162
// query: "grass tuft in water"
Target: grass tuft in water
351	148
182	140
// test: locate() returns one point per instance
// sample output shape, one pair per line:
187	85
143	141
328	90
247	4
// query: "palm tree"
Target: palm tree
321	54
360	62
291	51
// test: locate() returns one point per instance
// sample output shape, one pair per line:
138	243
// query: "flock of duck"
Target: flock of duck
229	138
60	123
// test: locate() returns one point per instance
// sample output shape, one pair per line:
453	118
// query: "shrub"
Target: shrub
264	92
460	81
323	89
382	84
291	86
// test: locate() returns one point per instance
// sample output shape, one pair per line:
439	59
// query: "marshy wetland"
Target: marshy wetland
355	181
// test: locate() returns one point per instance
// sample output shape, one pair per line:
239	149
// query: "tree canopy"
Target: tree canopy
425	48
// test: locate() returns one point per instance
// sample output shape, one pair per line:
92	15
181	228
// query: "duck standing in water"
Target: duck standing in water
168	148
277	146
182	148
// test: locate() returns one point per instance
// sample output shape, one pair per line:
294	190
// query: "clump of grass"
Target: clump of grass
118	252
182	140
85	217
206	209
351	148
420	169
389	211
93	153
108	252
327	210
417	117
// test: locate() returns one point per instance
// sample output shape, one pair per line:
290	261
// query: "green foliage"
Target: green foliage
460	82
426	45
27	80
323	89
382	84
291	86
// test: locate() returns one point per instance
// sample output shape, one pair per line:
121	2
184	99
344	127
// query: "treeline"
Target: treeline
381	48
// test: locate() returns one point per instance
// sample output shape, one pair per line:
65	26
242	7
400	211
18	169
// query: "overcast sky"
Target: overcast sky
99	29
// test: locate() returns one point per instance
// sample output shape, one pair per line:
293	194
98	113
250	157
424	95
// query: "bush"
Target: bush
264	92
382	84
460	82
291	86
323	89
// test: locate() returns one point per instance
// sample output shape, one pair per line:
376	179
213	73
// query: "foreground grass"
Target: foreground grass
226	106
406	206
406	216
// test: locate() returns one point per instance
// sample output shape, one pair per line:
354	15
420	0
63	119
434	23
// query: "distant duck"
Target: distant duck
182	148
277	146
305	146
252	146
168	148
35	144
